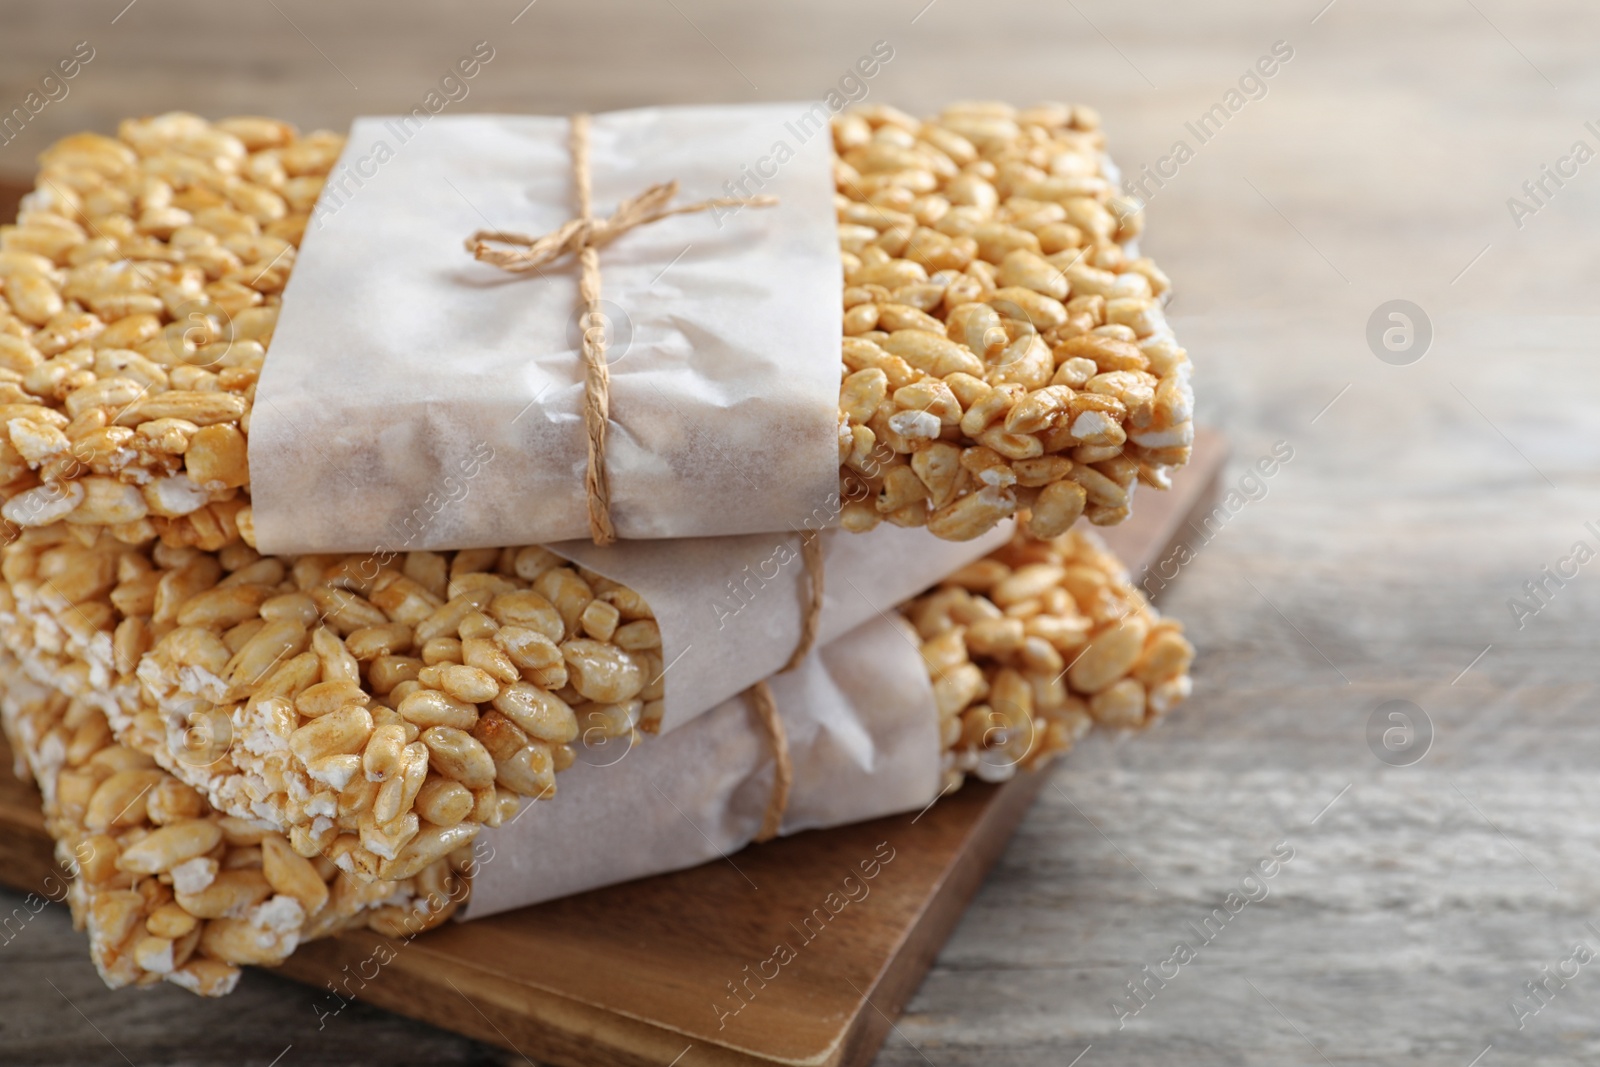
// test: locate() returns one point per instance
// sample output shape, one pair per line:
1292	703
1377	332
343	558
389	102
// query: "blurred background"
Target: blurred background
1397	127
1425	152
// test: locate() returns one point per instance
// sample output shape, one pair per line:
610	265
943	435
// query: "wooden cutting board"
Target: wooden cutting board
643	973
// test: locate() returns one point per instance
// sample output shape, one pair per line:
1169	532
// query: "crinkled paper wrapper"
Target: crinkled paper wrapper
863	733
416	398
730	608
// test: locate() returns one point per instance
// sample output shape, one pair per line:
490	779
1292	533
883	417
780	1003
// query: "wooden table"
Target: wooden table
1378	566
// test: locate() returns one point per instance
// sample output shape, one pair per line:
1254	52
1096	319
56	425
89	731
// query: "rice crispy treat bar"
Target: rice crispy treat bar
170	889
1004	351
1025	650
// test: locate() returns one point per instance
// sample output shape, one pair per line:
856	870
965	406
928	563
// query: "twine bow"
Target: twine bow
583	237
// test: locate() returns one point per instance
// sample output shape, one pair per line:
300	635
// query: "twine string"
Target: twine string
582	237
760	694
811	615
766	709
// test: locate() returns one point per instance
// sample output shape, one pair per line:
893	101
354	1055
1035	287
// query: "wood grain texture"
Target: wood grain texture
800	951
1377	166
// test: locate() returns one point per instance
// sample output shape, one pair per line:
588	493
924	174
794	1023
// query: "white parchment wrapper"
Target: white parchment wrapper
400	365
862	726
729	608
